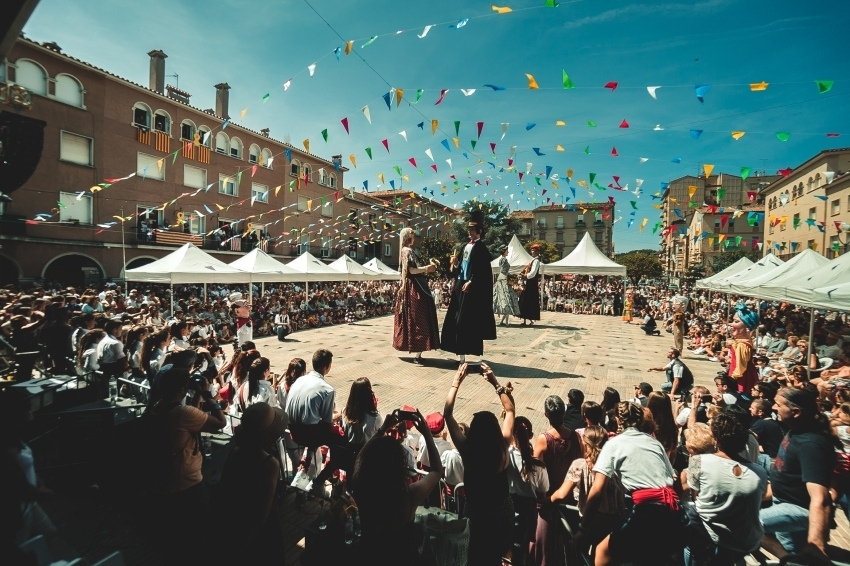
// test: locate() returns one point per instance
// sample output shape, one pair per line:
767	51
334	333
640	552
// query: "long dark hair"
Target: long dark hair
379	483
523	434
297	368
485	446
361	400
256	373
666	431
150	344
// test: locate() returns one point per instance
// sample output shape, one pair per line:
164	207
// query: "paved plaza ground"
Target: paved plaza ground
560	352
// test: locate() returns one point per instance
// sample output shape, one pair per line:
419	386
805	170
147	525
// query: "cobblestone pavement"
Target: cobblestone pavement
560	352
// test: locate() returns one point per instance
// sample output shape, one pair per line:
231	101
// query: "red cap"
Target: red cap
435	422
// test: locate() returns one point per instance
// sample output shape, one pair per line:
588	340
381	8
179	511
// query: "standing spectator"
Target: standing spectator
800	477
484	450
110	351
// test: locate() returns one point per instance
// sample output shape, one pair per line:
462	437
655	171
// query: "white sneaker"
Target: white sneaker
699	351
713	360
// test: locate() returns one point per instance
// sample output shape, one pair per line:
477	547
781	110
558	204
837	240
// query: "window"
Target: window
371	221
332	181
388	250
817	180
783	225
417	208
717	224
307	173
236	148
75	149
69	90
141	115
417	231
294	168
150	167
796	220
267	158
579	221
162	122
770	228
811	244
204	136
428	232
731	224
227	185
813	213
196	224
541	223
187	130
579	235
32	76
71	208
194	177
254	153
328	208
352	218
260	193
597	237
835	207
222	143
559	222
323	177
303	203
559	237
834	247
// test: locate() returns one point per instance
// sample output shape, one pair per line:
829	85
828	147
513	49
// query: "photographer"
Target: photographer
175	459
680	379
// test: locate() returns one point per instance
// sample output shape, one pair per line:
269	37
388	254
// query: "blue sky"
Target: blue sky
728	44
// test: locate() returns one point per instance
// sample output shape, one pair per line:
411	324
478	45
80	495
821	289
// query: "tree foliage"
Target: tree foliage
438	249
499	226
640	264
725	259
548	252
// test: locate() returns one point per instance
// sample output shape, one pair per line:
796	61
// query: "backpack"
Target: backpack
687	374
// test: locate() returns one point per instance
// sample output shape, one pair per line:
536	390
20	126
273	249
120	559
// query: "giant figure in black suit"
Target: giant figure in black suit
469	319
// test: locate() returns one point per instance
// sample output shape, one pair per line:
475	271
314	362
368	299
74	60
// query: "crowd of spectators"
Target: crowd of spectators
708	475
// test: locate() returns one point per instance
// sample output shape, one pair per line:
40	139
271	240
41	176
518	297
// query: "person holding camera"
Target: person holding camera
484	450
679	377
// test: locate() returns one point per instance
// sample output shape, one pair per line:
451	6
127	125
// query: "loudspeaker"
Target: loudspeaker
21	142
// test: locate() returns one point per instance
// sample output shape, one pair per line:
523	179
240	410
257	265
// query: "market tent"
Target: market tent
263	268
801	291
187	264
313	269
517	257
835	297
350	270
385	272
736	267
586	259
760	267
800	265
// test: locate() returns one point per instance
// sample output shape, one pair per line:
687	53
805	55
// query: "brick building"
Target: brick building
196	176
564	226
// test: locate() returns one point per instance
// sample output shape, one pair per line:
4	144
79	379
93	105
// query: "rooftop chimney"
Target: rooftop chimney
222	99
157	78
265	132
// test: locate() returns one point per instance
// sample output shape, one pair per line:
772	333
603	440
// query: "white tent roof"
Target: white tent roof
800	292
314	269
739	265
800	265
586	259
763	265
263	268
380	267
187	264
835	297
517	257
353	271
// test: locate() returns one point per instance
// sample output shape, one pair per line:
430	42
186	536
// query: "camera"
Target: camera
405	415
198	383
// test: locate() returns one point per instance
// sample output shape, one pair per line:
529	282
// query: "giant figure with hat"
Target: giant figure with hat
529	299
469	319
242	313
741	360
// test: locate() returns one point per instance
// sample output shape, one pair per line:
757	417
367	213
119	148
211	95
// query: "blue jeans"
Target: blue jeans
788	522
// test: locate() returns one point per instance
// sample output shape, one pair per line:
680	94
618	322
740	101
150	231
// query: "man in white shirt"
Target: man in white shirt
310	406
831	348
110	351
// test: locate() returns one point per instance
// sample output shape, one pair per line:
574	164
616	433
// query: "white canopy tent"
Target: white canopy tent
384	272
736	267
802	291
586	259
350	270
264	268
518	258
186	264
834	297
313	269
760	267
800	265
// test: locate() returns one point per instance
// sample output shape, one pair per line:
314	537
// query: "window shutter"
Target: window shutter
75	149
194	177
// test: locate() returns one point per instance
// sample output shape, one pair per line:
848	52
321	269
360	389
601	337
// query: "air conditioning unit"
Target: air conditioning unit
326	252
